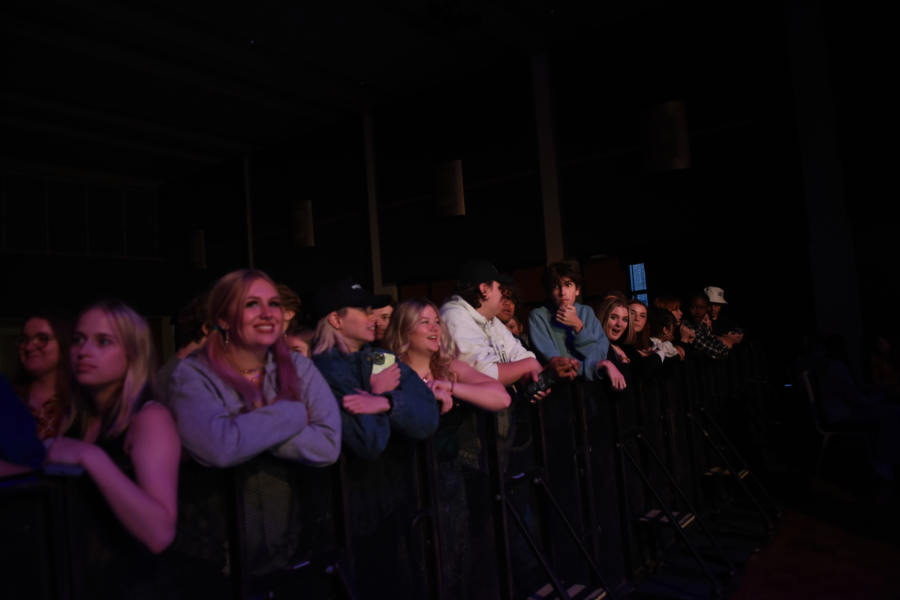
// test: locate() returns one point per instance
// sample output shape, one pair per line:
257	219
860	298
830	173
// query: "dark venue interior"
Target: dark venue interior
147	148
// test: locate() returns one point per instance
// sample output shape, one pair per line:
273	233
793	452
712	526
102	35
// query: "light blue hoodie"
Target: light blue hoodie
550	338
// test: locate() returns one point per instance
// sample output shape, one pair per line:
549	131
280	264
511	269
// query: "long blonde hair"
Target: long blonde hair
603	313
404	321
139	382
327	337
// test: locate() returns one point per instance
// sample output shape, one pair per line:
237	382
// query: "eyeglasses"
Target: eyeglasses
40	340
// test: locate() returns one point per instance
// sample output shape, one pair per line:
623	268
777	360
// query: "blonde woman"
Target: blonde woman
116	420
615	320
419	338
379	395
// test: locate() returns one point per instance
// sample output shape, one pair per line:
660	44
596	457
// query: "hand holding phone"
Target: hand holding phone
385	380
535	388
381	361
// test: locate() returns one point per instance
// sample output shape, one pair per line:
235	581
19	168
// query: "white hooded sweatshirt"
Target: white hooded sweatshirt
481	343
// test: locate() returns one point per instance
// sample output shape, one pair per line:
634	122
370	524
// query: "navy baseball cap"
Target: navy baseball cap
345	293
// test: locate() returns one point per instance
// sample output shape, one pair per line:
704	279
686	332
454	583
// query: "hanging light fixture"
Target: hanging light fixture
302	224
666	137
197	250
448	193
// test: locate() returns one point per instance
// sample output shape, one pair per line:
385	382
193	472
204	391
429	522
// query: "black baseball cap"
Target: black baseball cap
475	272
345	293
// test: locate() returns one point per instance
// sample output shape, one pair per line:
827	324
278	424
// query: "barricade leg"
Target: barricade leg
735	474
717	585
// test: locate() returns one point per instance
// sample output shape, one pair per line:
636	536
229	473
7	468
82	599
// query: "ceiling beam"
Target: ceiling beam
117	54
226	146
106	139
304	76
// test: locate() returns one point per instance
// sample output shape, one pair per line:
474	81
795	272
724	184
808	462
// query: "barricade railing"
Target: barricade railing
580	496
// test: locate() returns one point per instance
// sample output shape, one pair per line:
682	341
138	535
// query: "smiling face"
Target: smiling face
617	324
261	317
425	336
565	292
382	318
638	315
98	355
698	309
39	361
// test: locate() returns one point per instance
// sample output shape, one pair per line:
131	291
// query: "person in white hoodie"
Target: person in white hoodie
481	338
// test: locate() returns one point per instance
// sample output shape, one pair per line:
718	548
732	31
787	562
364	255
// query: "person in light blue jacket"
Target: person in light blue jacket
562	327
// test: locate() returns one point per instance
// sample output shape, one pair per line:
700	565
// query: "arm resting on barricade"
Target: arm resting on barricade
478	389
415	411
512	373
364	435
147	507
592	343
212	434
641	365
319	444
589	346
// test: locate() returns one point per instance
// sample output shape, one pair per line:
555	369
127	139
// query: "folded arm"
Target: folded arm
216	437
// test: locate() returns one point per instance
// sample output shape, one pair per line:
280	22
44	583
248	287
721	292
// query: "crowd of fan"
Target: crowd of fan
249	378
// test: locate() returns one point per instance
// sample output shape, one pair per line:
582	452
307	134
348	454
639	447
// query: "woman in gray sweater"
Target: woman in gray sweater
245	398
245	393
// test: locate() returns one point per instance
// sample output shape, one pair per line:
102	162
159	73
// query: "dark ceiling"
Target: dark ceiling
146	92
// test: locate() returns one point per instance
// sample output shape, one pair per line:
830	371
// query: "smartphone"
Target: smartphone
545	380
381	361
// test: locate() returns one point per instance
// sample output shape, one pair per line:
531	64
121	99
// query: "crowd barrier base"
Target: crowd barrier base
581	496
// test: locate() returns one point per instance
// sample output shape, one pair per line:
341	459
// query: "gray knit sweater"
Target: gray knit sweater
215	431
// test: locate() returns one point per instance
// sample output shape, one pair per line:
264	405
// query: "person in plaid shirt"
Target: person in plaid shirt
705	342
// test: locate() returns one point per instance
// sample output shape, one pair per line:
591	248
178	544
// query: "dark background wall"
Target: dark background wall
735	219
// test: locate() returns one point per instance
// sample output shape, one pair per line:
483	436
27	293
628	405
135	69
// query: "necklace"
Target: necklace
425	376
254	372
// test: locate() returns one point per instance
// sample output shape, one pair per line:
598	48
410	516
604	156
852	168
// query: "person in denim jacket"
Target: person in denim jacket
379	395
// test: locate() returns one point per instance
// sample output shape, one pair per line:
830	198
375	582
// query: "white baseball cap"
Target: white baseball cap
716	295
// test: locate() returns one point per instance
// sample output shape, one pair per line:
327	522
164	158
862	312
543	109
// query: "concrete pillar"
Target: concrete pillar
374	234
831	247
249	211
546	133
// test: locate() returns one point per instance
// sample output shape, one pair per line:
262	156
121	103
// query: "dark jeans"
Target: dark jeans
886	417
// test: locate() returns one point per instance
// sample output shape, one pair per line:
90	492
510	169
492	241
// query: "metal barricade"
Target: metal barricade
34	547
550	499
